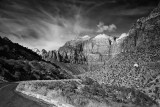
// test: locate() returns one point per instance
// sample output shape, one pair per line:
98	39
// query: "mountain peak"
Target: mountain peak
101	36
86	37
122	36
5	38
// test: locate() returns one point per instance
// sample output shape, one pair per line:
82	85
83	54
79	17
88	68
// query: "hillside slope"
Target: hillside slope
20	70
10	50
18	63
138	65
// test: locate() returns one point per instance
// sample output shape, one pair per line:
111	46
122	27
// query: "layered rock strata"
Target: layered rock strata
86	50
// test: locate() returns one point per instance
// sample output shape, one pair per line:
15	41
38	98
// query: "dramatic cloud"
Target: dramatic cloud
50	23
42	28
109	28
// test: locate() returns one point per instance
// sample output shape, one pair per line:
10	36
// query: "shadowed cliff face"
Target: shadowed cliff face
144	34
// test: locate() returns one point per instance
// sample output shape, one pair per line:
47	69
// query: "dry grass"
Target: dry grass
87	93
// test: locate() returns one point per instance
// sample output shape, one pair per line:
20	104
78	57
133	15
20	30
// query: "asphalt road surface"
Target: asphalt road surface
9	98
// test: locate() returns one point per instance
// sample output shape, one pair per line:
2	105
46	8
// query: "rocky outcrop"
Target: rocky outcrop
90	51
55	58
86	50
139	62
98	48
47	55
144	34
72	52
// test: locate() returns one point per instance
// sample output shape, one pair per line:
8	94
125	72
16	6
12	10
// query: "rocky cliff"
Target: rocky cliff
138	64
91	51
144	34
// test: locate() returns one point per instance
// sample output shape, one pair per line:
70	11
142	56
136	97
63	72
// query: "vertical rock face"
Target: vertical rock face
144	34
86	50
98	49
72	52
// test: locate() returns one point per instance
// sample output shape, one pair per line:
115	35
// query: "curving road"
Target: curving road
9	98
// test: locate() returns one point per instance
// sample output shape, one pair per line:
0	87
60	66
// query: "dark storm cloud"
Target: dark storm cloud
50	23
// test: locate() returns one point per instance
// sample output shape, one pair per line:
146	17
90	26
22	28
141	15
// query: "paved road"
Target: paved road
9	98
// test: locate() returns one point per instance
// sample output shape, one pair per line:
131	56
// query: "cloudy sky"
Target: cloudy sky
49	24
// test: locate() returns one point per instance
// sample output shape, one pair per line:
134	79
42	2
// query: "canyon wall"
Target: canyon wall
87	50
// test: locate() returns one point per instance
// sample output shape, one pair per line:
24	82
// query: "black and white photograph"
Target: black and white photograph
79	53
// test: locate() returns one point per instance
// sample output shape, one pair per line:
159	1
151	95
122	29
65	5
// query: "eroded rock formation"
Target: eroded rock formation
86	50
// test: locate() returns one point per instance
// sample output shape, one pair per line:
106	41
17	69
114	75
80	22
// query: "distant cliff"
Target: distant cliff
87	50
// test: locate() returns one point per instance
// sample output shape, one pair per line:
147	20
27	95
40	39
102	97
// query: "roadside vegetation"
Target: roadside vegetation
88	93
